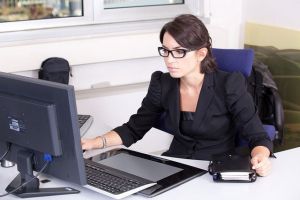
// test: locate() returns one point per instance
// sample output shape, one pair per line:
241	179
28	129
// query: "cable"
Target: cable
23	184
8	148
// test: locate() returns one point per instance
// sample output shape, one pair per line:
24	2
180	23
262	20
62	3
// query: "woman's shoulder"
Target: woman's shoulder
162	82
220	72
159	82
159	77
233	83
230	77
228	83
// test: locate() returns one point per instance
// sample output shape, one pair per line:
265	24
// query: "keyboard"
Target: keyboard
85	122
112	182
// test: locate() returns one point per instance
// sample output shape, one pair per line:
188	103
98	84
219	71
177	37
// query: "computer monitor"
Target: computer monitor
39	125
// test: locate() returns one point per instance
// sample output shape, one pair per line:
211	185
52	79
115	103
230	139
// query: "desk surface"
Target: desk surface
282	183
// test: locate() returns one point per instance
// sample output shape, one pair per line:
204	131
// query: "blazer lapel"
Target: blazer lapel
173	98
205	98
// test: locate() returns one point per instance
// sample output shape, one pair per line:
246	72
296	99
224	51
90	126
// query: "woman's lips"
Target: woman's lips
172	69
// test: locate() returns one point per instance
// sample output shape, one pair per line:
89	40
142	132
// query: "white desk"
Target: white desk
282	183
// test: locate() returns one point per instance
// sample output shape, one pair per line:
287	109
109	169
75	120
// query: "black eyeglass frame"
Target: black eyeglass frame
185	51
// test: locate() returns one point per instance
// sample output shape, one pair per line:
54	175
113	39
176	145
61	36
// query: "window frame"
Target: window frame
94	13
146	13
74	28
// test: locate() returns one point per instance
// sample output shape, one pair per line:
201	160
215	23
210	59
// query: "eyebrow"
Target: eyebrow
179	47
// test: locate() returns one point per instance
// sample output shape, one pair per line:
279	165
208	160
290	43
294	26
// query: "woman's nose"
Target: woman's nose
169	58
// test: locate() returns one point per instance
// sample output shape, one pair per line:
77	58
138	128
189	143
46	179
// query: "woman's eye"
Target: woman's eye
180	51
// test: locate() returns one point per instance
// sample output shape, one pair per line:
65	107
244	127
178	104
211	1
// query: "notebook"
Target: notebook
232	168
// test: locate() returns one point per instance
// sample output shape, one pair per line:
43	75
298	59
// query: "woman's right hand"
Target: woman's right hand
93	143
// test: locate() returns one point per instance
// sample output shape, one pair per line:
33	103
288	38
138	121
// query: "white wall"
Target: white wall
229	16
277	13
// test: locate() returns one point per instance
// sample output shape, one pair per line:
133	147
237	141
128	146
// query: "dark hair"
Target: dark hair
191	33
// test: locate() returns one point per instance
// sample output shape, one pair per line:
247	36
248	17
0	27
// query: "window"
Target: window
17	15
22	10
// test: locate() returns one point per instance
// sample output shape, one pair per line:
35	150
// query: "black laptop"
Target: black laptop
165	173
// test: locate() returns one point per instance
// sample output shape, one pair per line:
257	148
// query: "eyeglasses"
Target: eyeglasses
177	53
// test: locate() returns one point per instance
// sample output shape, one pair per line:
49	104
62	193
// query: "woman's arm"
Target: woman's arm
246	119
260	160
110	138
138	125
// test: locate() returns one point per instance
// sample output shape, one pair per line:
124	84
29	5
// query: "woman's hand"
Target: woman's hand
260	160
261	164
88	144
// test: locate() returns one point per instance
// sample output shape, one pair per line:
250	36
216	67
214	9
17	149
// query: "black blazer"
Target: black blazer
224	108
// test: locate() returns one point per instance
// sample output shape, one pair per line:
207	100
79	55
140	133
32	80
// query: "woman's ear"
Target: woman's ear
201	53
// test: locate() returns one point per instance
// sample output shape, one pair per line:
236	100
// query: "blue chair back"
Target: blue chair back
234	60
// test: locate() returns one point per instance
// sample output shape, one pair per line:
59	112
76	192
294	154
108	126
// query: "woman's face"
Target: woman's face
180	67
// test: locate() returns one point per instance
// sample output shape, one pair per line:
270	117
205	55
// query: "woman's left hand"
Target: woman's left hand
261	164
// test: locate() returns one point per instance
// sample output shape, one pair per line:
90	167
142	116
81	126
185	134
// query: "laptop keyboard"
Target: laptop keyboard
110	181
85	122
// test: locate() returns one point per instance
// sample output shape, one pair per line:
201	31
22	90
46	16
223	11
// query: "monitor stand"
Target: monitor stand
32	189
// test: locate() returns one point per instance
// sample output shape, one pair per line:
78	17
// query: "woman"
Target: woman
203	106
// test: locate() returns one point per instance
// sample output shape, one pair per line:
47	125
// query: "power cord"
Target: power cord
23	184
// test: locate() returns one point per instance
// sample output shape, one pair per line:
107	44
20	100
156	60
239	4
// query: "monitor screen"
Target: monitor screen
38	120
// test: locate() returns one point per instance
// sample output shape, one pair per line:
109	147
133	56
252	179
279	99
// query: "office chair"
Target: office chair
241	60
238	60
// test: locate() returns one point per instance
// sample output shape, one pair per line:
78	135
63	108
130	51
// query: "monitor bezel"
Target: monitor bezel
70	165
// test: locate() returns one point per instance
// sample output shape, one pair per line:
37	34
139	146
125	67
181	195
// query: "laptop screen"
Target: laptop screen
147	169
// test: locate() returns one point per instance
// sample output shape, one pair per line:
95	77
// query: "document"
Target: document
243	176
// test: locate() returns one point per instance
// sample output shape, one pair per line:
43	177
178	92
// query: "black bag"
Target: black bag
55	69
